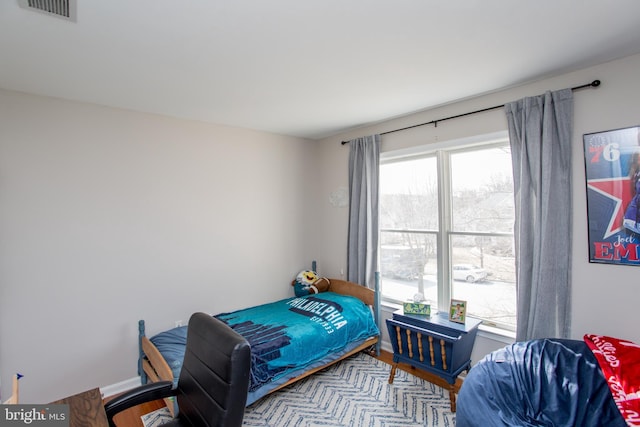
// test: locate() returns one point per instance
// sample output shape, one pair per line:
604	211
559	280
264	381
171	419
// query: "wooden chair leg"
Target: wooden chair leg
452	398
393	373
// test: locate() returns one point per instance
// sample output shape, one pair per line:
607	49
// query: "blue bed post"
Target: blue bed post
314	266
143	375
376	310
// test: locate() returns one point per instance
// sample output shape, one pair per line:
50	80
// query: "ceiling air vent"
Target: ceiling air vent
65	9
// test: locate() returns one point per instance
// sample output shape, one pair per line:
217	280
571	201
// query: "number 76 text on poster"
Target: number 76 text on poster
612	166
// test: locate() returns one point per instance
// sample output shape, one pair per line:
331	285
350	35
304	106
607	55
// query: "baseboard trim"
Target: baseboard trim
386	346
121	387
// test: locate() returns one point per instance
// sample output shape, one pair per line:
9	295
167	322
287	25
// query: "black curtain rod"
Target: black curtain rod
594	83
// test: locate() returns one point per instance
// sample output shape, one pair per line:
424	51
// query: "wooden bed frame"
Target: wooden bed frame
157	369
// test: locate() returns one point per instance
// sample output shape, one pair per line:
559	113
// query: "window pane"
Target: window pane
483	274
482	190
478	213
408	265
409	195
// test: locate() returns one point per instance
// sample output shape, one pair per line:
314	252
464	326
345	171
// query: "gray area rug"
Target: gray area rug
354	392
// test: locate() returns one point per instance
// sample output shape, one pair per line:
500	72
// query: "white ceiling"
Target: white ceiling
309	68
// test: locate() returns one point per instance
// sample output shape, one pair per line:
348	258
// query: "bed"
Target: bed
553	382
290	338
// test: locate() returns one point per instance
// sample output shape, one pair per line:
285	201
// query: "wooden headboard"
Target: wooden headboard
343	287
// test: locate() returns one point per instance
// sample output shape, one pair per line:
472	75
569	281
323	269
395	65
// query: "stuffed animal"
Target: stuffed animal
307	282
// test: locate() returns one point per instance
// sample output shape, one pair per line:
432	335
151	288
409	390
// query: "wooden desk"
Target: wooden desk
86	409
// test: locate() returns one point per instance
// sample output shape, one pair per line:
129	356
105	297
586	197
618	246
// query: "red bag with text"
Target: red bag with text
619	361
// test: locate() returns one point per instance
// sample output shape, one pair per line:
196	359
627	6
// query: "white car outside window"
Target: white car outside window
469	273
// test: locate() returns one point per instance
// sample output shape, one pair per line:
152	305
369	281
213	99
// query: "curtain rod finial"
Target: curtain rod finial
595	83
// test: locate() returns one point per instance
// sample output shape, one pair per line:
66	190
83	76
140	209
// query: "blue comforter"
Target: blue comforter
537	383
287	337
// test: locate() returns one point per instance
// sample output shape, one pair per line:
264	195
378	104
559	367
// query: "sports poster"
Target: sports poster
612	165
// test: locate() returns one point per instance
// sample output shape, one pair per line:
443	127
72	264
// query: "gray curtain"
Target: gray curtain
540	130
362	245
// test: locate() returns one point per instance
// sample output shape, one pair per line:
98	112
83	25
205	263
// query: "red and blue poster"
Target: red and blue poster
612	165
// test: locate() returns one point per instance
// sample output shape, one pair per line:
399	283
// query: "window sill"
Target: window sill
496	334
390	306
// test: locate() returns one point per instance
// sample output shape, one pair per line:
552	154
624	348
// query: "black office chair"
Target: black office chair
213	383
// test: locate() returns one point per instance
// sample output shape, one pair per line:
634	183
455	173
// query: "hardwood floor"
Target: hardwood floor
131	417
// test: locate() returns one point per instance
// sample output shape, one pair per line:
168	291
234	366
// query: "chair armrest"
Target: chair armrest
144	393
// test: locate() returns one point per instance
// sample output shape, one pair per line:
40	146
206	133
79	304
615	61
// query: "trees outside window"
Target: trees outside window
446	229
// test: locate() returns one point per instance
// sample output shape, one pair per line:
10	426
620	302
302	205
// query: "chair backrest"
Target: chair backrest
214	380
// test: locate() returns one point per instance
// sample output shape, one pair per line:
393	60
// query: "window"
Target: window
446	229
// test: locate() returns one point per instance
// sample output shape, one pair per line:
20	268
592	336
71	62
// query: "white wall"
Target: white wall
110	216
604	296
